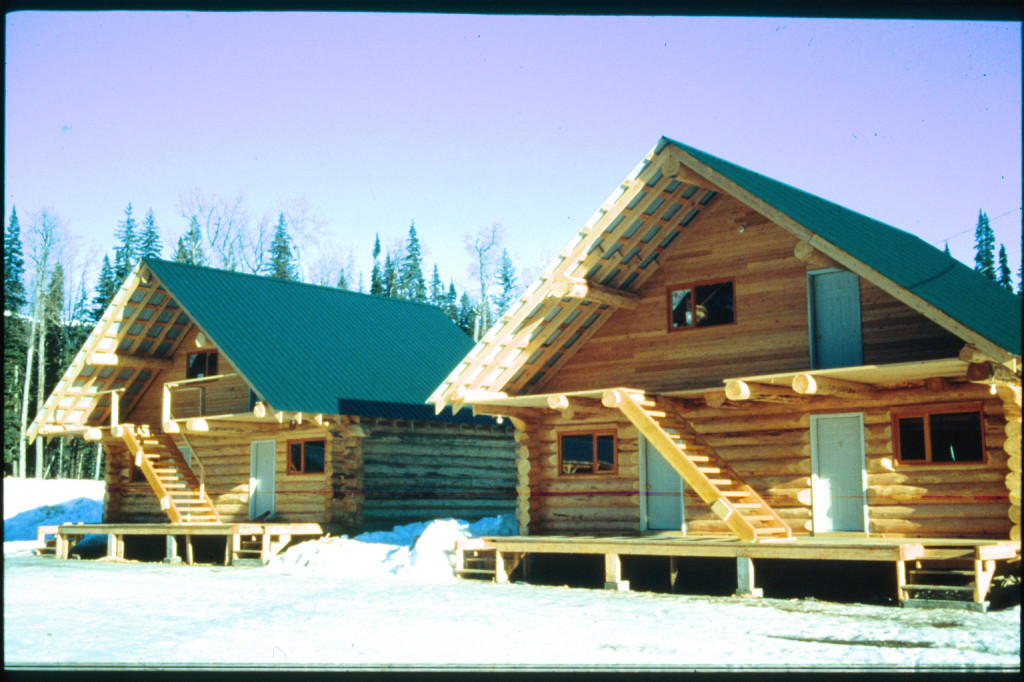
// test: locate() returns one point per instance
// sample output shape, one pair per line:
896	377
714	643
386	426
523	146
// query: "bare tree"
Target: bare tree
254	243
222	221
43	236
485	249
315	253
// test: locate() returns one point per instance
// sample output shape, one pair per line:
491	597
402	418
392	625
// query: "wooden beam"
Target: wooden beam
736	389
990	372
577	287
115	360
808	384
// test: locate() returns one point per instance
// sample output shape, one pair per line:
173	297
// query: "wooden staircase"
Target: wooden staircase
746	514
476	558
945	578
182	496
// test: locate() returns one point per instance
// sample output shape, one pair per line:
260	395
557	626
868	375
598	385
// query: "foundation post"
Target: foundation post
112	546
673	572
745	578
172	550
613	574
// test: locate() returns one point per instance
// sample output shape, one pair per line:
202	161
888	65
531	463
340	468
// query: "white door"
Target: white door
664	491
261	478
838	478
834	308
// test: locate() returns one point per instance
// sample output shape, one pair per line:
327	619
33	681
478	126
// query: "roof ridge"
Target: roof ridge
265	278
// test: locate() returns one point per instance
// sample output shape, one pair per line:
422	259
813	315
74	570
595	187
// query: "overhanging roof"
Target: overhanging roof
620	246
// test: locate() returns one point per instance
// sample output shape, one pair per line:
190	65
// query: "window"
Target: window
202	364
939	435
306	456
701	305
587	453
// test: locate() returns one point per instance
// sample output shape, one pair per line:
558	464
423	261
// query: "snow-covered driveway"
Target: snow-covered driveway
103	613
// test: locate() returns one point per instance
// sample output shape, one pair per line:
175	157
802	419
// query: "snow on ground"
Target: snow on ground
388	600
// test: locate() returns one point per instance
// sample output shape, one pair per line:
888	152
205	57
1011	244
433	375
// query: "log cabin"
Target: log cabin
224	398
716	354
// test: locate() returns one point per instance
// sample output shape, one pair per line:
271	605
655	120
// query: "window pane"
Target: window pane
956	437
606	453
314	457
295	457
211	364
577	454
681	314
196	366
714	304
912	439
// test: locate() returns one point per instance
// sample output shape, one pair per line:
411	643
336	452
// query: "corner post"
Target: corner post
745	578
613	574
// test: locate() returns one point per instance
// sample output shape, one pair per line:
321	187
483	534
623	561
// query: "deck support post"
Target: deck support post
500	569
673	573
901	581
112	546
613	574
189	555
745	578
172	550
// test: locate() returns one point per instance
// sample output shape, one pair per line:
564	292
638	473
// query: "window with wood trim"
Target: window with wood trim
704	304
951	434
587	453
201	364
306	456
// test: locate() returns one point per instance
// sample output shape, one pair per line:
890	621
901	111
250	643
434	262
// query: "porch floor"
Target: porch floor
499	556
242	540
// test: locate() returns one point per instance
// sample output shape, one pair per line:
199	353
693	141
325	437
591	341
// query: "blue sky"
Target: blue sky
375	120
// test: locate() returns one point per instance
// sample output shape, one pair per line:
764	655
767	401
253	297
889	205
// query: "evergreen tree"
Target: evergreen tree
342	280
376	277
984	247
410	274
282	262
1005	278
149	244
947	250
14	339
451	306
106	287
437	294
467	314
190	246
390	279
507	281
127	252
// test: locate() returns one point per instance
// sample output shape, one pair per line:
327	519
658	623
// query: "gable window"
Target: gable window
201	364
587	453
306	456
701	305
939	435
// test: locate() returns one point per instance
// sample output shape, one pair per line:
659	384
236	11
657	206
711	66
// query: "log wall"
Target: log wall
768	445
635	348
420	471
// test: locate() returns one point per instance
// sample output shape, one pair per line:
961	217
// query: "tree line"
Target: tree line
50	309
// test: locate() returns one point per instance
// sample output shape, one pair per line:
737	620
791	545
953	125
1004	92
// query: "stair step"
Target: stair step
745	505
770	530
934	571
735	493
697	458
483	571
759	518
721	481
941	588
709	470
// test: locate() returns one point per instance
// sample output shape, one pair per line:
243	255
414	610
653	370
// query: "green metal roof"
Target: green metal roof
307	348
965	295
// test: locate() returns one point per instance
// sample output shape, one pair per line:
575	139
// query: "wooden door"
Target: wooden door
664	491
838	479
834	309
261	478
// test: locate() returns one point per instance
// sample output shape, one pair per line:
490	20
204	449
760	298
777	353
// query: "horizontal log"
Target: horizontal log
930	477
938	511
943	527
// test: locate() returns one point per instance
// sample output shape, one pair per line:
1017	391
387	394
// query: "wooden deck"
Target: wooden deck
242	540
915	559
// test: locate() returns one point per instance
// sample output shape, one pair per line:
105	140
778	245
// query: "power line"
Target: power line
946	239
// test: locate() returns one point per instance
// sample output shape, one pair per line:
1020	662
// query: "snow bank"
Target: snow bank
29	503
422	551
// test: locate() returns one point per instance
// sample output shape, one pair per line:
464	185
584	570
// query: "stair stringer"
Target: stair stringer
633	406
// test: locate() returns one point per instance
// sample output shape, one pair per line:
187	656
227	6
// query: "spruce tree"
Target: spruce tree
342	280
106	287
190	246
376	277
467	314
984	247
390	279
947	250
14	339
410	274
1005	278
282	262
451	306
149	244
437	294
127	252
507	281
